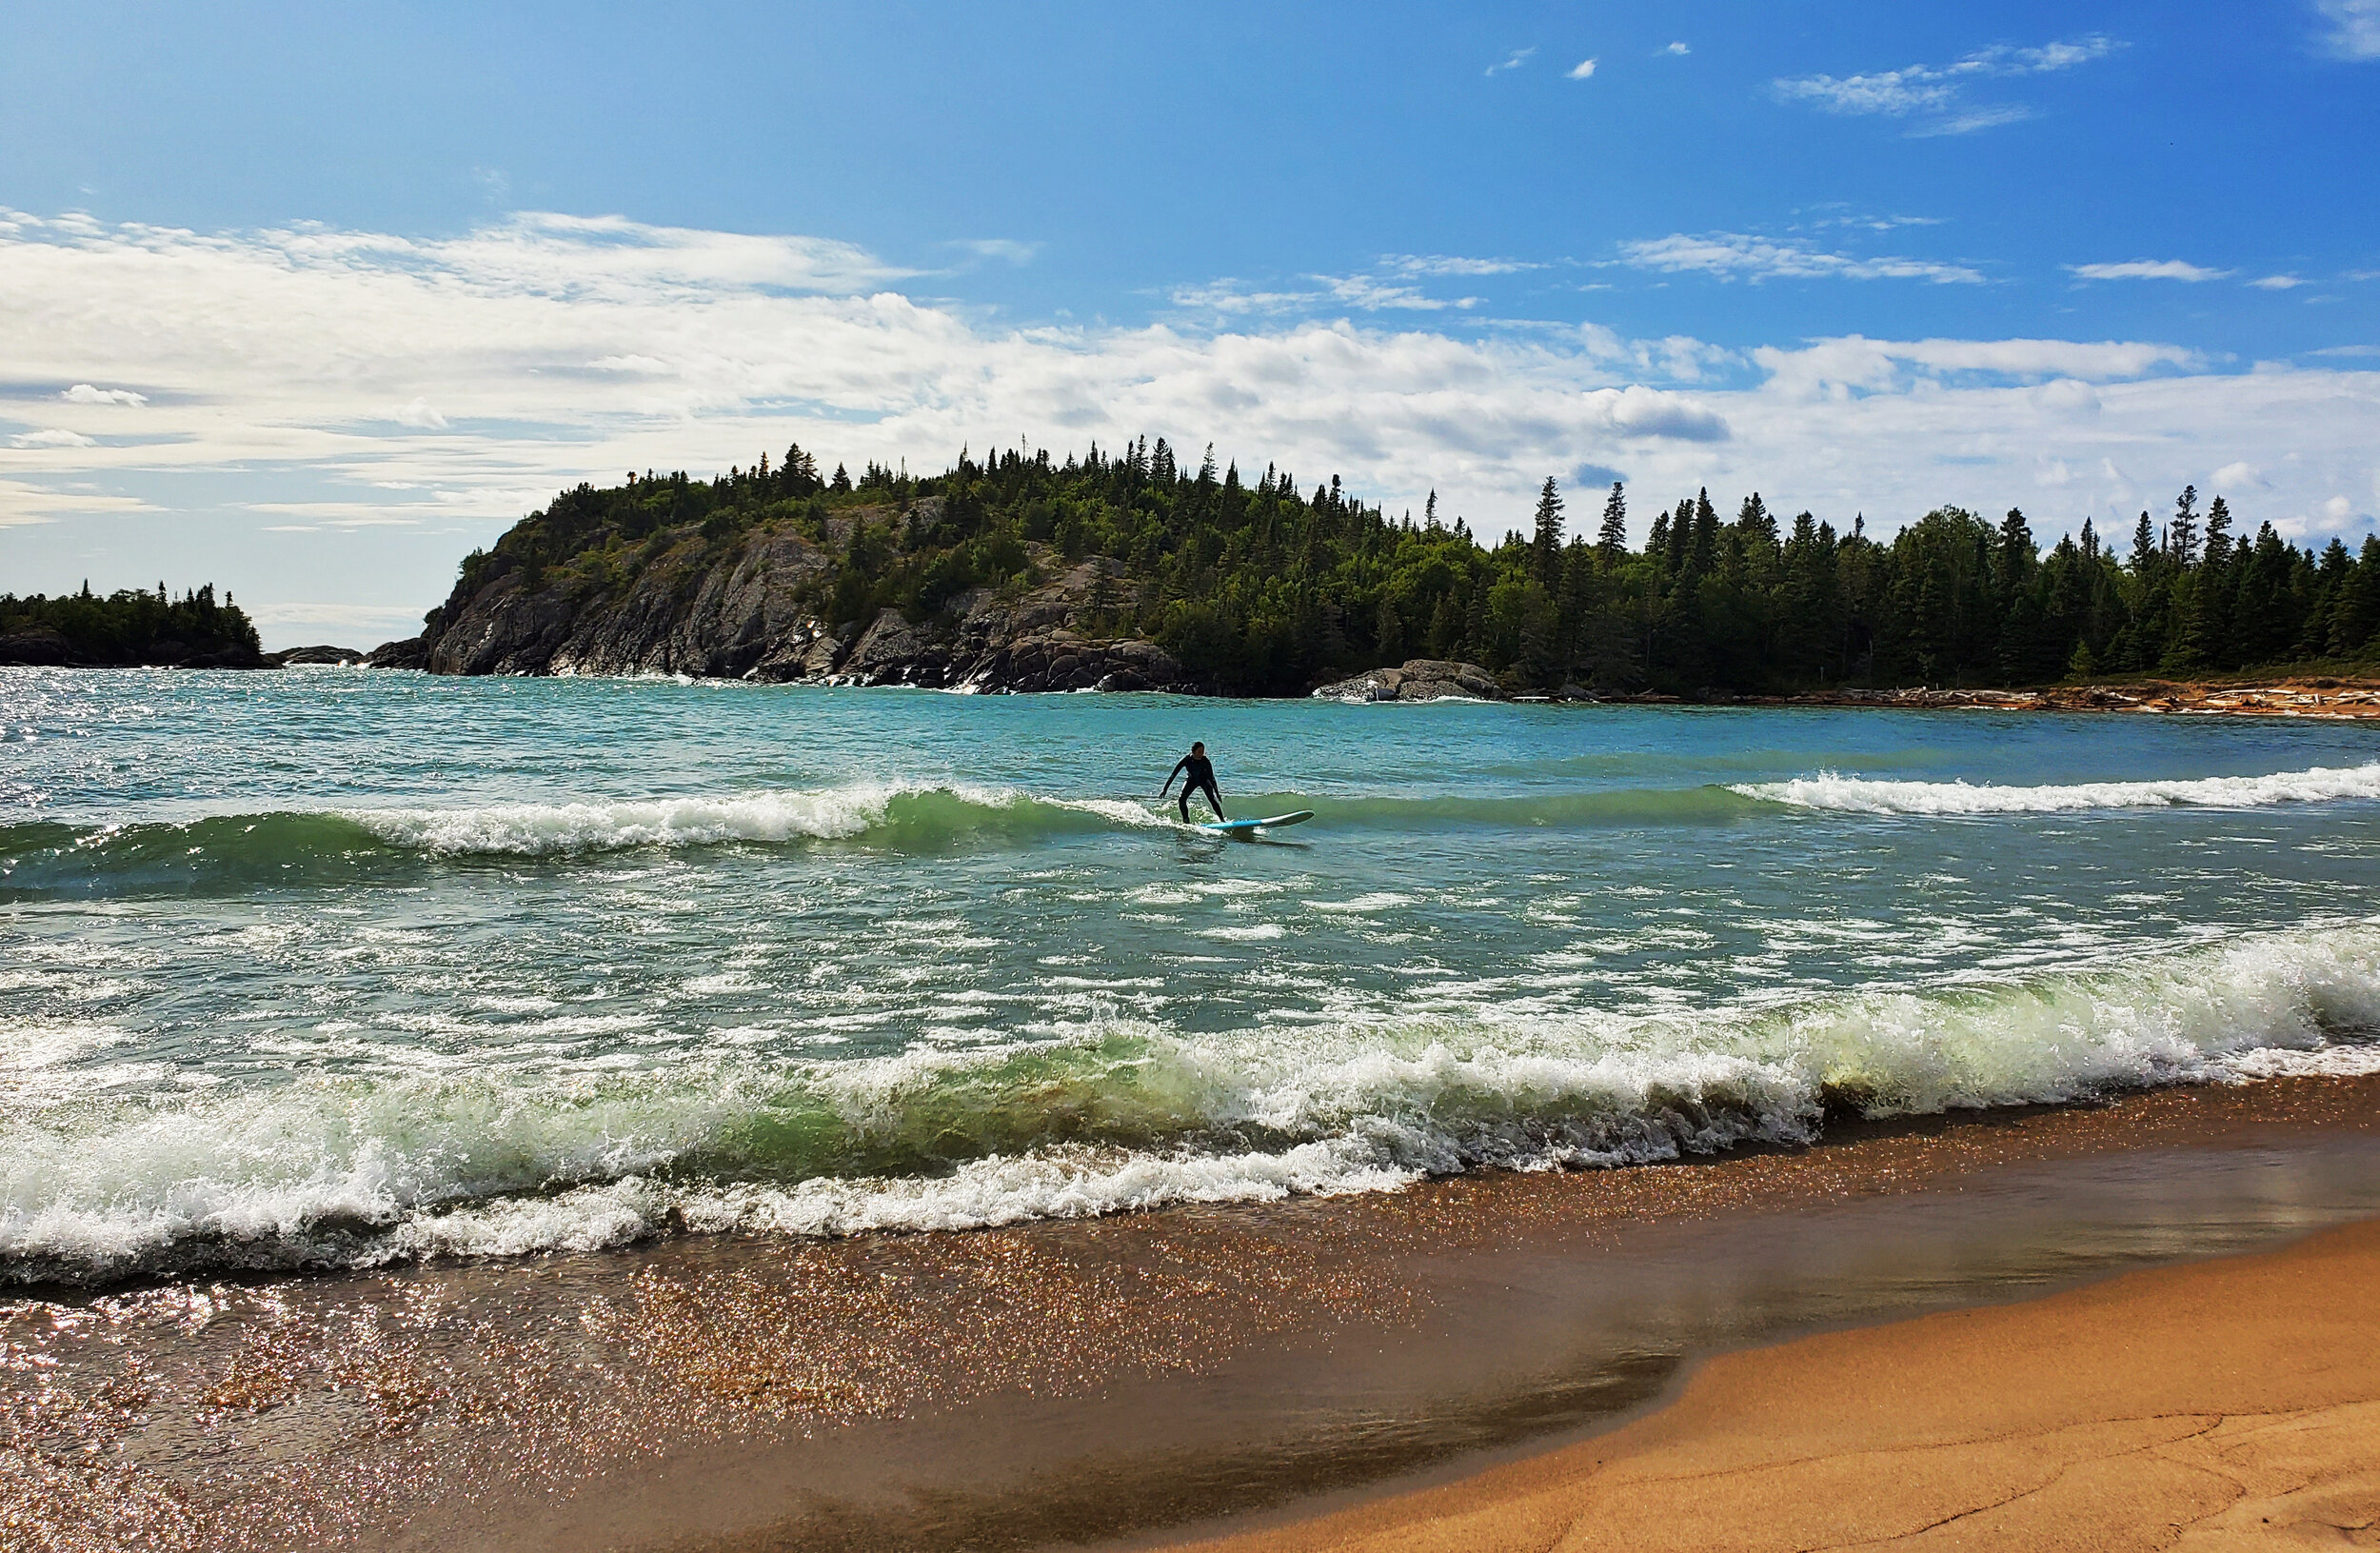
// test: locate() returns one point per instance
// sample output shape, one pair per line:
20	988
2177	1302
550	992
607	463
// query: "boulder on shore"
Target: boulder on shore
36	646
1419	679
413	652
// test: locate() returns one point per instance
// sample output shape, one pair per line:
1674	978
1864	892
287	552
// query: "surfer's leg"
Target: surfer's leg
1185	805
1213	801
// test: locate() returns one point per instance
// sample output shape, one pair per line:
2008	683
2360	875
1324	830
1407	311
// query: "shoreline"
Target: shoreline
1065	1381
2322	697
2225	1403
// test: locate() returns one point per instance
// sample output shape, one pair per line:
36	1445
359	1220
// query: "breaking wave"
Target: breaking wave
346	1172
322	846
1859	795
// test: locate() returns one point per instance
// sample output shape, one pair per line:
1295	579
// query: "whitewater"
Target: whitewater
324	969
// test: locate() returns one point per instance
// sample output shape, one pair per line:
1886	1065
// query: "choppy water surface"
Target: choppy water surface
335	967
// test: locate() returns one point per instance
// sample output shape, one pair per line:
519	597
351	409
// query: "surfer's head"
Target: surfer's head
1197	747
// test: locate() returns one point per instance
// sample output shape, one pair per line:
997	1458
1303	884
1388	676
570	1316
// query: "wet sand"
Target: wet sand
1064	1383
2220	1404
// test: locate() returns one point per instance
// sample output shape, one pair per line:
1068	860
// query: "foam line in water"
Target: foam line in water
1116	1114
1859	795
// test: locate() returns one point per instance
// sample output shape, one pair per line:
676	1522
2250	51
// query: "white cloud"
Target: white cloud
1967	121
2277	283
1440	264
1372	295
2147	269
52	437
1889	92
1581	71
2064	370
2355	27
418	412
1738	255
1388	289
1513	61
1639	412
1676	49
1008	249
1935	92
2235	476
83	394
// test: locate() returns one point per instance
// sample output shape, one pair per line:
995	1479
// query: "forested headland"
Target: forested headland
1265	587
126	628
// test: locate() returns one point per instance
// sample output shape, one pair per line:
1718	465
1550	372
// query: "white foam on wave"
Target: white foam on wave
538	828
695	819
1119	1113
1378	901
1861	795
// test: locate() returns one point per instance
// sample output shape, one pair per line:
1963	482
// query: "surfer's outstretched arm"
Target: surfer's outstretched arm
1169	779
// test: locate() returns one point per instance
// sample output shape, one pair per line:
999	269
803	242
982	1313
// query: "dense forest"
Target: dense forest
126	627
1261	587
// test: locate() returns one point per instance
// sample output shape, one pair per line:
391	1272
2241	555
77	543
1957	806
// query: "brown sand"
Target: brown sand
2219	1405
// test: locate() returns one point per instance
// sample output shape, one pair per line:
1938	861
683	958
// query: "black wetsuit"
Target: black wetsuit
1202	779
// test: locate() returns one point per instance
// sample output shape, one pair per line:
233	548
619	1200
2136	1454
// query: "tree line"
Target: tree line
1265	587
128	626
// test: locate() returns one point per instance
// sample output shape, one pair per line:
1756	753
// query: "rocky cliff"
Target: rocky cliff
755	606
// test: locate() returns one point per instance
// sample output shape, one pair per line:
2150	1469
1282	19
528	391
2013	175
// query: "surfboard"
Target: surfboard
1249	828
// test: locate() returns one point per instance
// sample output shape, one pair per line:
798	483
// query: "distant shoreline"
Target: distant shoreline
2324	696
2331	697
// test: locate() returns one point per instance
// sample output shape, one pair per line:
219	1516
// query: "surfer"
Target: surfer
1202	779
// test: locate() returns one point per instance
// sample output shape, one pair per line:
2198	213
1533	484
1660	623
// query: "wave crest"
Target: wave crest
325	1172
1859	795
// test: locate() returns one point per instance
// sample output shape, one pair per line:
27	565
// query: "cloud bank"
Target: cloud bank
340	382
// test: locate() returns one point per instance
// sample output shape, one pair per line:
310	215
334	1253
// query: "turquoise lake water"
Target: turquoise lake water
328	967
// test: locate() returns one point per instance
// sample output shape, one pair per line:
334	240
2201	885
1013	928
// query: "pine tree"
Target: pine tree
1545	551
2218	533
2182	533
1611	541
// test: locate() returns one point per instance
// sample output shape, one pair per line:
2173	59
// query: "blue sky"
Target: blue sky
310	302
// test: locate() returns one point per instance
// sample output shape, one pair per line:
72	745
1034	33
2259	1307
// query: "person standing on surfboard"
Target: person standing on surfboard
1202	779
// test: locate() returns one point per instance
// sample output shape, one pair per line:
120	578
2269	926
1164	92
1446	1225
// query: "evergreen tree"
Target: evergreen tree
1546	547
2182	533
1611	541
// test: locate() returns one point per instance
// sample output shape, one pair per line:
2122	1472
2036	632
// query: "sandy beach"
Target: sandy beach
2227	1403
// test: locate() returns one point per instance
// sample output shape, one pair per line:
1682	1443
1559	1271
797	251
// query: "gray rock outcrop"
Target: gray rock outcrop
749	609
1419	679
